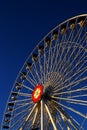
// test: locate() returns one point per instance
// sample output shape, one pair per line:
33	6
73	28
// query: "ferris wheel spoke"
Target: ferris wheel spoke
78	95
61	51
33	76
69	69
82	125
58	54
31	81
76	55
63	37
28	124
37	73
73	84
69	38
22	106
20	123
75	76
19	127
63	121
61	116
28	117
73	91
71	109
82	40
56	57
58	65
53	56
66	117
22	111
50	116
51	71
23	100
20	119
60	57
77	123
78	71
49	60
58	81
44	66
60	124
19	104
74	101
24	94
72	32
78	34
80	64
27	87
41	68
35	117
77	103
73	68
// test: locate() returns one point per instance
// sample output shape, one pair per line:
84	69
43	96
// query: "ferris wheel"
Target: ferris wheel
50	91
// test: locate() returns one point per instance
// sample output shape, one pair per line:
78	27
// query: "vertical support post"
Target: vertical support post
42	115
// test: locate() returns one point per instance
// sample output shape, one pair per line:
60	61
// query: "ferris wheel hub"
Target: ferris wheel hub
37	93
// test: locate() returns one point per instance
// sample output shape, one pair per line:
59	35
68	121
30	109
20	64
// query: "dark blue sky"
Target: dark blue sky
22	25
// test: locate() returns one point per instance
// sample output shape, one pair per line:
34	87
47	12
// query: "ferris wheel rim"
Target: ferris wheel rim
37	47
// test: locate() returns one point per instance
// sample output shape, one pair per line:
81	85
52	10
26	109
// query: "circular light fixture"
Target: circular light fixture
37	93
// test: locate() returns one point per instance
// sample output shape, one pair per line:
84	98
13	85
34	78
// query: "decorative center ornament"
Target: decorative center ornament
37	93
